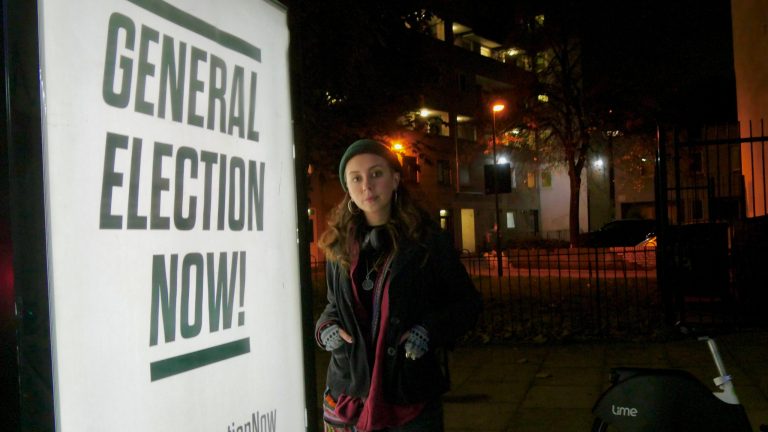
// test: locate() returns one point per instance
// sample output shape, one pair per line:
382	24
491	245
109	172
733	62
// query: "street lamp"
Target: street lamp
496	108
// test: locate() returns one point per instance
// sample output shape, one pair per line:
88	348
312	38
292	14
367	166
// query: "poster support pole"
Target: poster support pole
27	213
302	204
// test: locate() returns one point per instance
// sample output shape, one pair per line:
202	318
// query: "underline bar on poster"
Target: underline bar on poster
195	24
186	362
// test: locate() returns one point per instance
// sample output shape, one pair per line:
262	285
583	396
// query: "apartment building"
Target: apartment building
446	143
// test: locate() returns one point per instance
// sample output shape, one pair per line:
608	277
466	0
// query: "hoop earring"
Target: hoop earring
351	209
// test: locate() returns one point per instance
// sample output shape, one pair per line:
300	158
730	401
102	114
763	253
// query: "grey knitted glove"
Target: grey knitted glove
417	343
331	338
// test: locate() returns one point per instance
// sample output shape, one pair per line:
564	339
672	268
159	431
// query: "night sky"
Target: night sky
673	59
674	55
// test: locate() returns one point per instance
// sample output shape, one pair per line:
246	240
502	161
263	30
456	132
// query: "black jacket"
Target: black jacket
429	286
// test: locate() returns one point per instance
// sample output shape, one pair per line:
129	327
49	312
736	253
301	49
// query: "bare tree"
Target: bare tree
558	107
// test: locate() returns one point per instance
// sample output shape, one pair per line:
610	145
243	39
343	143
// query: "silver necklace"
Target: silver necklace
368	283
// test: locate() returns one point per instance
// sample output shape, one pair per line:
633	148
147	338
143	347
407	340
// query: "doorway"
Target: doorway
468	230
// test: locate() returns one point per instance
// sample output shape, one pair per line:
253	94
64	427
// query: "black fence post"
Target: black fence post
679	210
600	327
662	223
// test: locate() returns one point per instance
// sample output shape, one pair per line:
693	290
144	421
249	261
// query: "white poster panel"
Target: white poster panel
171	221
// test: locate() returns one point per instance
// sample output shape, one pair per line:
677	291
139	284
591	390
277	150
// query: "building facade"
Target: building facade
750	42
446	142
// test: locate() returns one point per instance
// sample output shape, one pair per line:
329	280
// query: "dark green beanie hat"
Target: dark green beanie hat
367	146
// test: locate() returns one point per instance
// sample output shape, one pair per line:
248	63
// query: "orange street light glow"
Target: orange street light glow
498	107
398	147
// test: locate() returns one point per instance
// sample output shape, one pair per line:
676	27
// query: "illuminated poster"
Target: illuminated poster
170	212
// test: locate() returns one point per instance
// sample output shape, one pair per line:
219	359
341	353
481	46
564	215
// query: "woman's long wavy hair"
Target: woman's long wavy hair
408	222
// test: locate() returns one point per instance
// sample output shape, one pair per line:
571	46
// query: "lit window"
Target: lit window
531	180
514	178
443	219
543	98
510	219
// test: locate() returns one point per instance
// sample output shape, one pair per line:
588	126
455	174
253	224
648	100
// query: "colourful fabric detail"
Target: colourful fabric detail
331	421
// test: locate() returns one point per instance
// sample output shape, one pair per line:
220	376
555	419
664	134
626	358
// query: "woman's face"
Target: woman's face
371	183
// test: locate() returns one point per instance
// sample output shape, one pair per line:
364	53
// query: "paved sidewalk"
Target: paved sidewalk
552	387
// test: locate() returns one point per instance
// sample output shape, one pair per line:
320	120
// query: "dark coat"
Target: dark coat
429	286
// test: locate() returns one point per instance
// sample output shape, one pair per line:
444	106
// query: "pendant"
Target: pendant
367	284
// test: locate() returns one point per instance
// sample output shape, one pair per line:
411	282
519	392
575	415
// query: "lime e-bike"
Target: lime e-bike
660	400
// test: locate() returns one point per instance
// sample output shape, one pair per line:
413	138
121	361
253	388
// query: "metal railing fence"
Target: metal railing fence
557	294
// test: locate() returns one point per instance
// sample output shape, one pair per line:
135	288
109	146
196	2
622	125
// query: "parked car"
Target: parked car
642	255
621	232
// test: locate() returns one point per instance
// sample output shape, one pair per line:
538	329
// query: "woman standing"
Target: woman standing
398	296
